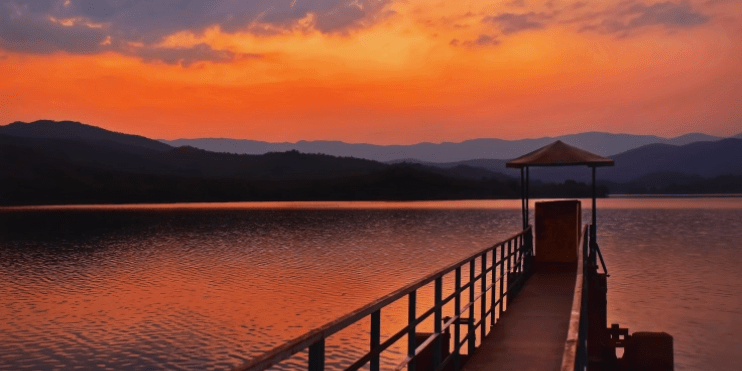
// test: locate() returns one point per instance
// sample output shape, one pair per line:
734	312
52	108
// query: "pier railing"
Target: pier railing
503	269
575	357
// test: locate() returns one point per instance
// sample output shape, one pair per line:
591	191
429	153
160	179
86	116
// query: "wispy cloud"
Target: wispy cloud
627	18
187	56
510	23
620	18
482	40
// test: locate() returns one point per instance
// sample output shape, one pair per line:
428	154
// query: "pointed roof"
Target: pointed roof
559	154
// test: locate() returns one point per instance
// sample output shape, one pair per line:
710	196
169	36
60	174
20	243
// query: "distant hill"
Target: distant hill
605	144
67	162
71	171
706	159
497	166
47	129
34	156
691	138
39	167
699	159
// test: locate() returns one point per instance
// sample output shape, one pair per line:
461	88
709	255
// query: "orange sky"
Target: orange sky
378	71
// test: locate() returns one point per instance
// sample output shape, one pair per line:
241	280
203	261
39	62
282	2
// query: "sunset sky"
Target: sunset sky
377	71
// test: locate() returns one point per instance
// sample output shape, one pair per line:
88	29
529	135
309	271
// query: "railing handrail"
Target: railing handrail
302	342
571	346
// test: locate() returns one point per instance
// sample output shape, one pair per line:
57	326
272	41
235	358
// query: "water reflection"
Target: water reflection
193	289
677	270
209	286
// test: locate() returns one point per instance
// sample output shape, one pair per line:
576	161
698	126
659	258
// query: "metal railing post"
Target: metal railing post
483	313
317	356
437	343
457	312
494	280
471	335
507	273
375	339
411	330
502	277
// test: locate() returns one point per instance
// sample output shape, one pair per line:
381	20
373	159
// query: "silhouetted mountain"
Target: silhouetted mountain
472	172
497	167
92	165
270	166
35	172
27	155
704	159
472	169
691	138
74	170
605	144
707	159
47	129
32	155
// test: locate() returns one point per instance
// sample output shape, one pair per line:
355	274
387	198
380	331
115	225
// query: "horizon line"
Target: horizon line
388	145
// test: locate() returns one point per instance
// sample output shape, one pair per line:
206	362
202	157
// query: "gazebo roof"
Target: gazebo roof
559	154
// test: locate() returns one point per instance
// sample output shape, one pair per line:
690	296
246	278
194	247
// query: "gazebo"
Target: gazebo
557	154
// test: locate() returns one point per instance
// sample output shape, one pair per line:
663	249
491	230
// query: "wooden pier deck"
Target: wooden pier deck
531	334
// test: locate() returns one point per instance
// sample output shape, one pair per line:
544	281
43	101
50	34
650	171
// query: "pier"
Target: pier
534	301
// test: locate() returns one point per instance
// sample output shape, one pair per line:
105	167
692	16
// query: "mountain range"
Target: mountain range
83	166
704	159
47	129
48	162
604	144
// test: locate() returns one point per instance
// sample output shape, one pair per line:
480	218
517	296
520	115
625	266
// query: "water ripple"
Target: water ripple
195	289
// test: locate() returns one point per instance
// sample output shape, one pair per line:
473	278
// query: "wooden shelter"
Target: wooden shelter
557	154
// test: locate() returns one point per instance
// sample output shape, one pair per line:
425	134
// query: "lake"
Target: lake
209	286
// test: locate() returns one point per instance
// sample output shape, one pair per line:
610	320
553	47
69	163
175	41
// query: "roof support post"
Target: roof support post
594	226
523	198
528	180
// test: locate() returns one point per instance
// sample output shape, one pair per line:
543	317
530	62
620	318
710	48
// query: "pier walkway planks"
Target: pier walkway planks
531	333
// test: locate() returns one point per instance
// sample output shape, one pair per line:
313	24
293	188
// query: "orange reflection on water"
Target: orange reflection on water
733	201
211	285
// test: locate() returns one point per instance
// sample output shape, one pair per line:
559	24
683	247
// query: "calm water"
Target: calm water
192	287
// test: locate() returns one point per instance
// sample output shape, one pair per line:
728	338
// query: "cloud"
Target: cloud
482	40
340	17
666	14
187	56
23	30
90	26
510	23
629	17
486	40
620	17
